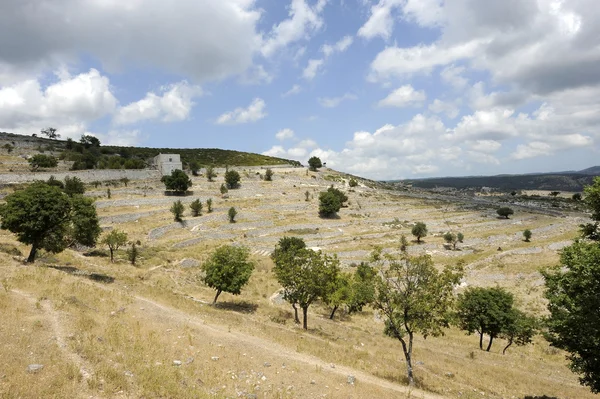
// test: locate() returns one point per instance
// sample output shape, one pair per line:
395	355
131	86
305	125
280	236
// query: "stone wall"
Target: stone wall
86	176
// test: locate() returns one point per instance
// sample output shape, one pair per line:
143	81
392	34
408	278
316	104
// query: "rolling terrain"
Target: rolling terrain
105	330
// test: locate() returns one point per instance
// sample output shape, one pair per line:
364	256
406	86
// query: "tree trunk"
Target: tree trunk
296	318
481	340
490	343
333	312
408	356
216	296
510	341
31	257
305	317
111	255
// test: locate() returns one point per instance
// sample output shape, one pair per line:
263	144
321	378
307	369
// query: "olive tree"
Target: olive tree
414	298
314	163
505	212
46	218
228	270
419	230
178	181
114	240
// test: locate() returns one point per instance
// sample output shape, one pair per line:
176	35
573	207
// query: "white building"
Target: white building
167	163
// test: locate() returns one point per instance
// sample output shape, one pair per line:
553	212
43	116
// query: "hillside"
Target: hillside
72	151
113	330
562	181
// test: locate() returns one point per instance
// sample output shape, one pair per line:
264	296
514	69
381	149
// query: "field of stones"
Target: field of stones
76	325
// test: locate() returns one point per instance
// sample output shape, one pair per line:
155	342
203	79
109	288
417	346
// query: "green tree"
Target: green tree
210	173
592	200
520	330
9	148
414	298
487	311
419	230
196	207
403	243
108	193
50	132
329	204
42	161
228	270
232	214
73	185
576	197
304	274
505	212
307	196
339	293
232	178
45	218
177	210
314	163
209	207
362	288
114	240
572	289
460	237
223	189
132	253
89	141
178	181
194	167
451	238
269	174
527	235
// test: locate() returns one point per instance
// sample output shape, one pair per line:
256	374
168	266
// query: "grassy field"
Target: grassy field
107	330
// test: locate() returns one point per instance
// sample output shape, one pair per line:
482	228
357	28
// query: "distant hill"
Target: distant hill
559	181
204	156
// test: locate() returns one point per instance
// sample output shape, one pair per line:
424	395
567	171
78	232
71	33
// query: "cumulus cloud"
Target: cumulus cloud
70	103
284	134
381	21
175	37
254	112
403	96
450	108
174	104
332	102
303	21
312	68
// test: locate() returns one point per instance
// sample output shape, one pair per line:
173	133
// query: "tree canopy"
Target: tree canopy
304	274
314	163
505	212
232	178
46	218
414	298
592	200
114	240
331	201
572	289
228	270
419	230
178	181
42	161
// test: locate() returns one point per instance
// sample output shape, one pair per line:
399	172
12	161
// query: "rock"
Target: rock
419	363
34	368
332	365
351	379
251	396
214	358
267	364
188	262
312	382
449	375
263	378
189	360
128	373
177	362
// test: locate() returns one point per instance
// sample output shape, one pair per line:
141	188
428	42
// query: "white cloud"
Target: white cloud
68	104
303	21
531	150
449	108
256	75
427	13
485	146
254	112
293	91
126	138
396	62
381	21
312	68
496	124
175	37
335	101
174	104
403	96
284	134
453	75
339	47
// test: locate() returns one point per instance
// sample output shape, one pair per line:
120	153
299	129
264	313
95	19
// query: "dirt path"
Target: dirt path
57	320
237	338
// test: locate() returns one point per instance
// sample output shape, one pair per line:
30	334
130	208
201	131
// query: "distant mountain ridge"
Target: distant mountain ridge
555	181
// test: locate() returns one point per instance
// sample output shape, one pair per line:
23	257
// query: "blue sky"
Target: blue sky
380	88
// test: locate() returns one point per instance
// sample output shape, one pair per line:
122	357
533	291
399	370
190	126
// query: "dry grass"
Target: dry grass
122	337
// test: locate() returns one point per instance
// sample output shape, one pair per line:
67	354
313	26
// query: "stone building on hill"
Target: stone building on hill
167	163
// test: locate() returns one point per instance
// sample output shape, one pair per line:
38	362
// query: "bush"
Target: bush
505	212
73	185
178	181
177	210
269	174
196	207
232	178
209	207
329	204
527	235
353	183
43	161
232	213
223	189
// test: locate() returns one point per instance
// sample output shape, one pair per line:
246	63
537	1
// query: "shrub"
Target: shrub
527	235
232	213
177	210
269	174
353	182
196	207
232	178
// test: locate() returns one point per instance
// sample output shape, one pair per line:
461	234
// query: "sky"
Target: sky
384	89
